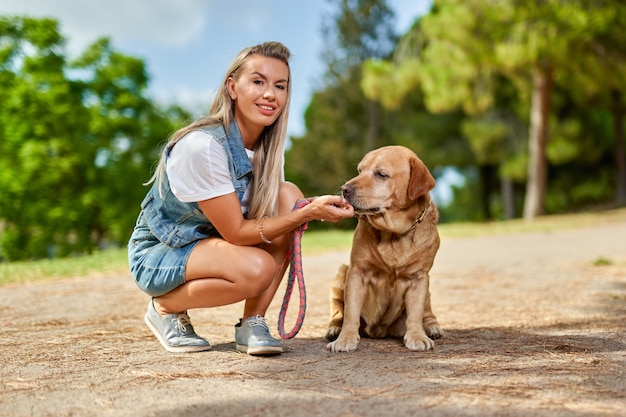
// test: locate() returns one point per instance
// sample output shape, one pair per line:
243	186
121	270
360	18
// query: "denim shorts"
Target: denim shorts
156	267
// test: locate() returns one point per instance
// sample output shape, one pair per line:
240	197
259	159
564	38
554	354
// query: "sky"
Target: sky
187	45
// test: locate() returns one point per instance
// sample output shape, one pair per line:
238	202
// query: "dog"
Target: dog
384	292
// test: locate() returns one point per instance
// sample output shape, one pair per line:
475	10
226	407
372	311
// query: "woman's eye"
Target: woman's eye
281	87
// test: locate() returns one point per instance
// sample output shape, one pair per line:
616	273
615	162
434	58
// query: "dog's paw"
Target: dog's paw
343	345
418	342
332	333
434	331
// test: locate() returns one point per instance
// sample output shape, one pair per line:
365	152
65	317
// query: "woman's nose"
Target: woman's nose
268	93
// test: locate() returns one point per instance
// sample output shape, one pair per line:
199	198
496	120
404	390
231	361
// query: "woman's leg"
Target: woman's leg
287	199
219	273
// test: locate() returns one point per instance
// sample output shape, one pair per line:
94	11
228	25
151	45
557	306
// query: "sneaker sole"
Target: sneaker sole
260	350
175	349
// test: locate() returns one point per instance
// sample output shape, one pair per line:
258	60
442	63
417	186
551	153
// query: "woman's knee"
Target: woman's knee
260	271
288	195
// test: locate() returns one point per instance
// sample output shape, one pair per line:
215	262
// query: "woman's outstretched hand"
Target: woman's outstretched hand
331	208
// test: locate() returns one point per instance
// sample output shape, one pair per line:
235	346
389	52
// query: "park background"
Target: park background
516	106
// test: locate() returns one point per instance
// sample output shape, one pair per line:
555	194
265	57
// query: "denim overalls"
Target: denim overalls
168	229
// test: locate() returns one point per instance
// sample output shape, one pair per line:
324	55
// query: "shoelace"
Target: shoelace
182	321
259	320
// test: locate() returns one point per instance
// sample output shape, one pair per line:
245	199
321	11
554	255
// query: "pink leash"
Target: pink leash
295	273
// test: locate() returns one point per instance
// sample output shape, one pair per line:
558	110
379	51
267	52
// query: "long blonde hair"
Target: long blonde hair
268	156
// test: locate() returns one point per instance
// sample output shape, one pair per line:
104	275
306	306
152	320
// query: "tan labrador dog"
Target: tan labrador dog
384	292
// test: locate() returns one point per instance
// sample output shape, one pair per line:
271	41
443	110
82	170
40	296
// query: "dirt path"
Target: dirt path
532	328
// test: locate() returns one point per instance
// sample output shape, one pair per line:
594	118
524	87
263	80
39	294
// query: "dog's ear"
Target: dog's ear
421	181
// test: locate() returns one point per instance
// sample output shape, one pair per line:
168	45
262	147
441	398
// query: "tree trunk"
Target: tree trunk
620	148
373	126
538	140
486	181
508	197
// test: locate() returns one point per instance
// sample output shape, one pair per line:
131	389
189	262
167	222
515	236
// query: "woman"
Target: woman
214	227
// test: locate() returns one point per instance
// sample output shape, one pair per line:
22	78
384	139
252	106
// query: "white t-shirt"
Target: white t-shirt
197	169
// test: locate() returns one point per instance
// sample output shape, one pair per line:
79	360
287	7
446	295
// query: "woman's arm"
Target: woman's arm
224	213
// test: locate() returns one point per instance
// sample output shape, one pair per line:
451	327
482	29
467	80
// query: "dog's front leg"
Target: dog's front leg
336	304
354	297
415	301
431	325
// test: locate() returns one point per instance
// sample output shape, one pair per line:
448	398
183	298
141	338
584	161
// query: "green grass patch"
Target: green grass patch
114	262
108	262
601	261
314	242
541	224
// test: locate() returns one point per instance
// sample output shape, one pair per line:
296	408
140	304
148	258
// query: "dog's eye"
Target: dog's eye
381	174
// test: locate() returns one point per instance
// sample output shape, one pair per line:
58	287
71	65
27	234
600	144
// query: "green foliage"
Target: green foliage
341	123
78	139
486	137
564	146
480	55
387	83
73	150
464	206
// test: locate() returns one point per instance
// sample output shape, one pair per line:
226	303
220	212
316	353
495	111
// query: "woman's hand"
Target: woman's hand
224	213
330	208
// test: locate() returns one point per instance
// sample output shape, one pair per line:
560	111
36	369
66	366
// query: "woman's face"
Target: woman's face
260	94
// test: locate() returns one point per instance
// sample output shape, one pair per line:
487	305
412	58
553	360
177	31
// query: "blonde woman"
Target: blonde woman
214	227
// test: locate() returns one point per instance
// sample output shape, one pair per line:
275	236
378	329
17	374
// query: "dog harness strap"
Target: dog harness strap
295	273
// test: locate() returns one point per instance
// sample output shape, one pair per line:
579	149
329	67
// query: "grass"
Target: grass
541	224
114	262
107	262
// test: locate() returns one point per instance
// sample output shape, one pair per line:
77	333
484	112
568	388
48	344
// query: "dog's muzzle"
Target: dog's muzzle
349	194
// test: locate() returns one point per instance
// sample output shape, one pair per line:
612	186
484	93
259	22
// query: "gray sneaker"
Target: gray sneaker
252	336
175	331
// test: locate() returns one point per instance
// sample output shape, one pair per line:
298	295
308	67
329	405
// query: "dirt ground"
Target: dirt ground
534	327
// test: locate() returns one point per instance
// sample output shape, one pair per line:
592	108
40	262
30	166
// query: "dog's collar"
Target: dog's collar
422	216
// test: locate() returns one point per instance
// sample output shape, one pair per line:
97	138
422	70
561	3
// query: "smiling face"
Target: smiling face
260	94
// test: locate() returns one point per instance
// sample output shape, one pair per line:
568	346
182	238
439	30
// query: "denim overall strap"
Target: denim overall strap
240	166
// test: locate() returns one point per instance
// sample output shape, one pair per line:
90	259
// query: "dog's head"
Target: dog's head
388	186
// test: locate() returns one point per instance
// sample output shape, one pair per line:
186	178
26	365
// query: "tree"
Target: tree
487	138
341	123
468	43
124	129
41	169
74	142
600	83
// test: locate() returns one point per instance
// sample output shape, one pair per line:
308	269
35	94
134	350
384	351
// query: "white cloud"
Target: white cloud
186	44
194	100
165	22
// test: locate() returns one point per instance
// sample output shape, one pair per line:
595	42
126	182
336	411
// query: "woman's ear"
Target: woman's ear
230	87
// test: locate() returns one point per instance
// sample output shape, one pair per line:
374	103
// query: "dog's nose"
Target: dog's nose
347	191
